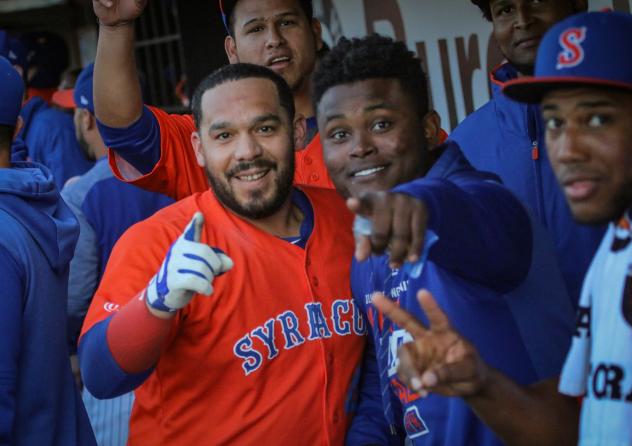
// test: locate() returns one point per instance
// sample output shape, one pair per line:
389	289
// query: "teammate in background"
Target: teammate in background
39	403
282	35
48	57
584	87
105	208
18	55
491	266
14	50
507	138
225	369
50	136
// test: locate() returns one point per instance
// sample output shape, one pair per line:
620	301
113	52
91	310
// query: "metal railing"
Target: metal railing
159	56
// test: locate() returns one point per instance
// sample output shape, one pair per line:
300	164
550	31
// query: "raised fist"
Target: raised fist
117	12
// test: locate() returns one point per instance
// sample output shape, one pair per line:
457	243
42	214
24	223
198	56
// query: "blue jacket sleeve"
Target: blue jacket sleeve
101	374
84	268
13	280
484	232
138	144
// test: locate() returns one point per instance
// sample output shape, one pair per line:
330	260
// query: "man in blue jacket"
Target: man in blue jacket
39	403
48	131
584	87
507	137
105	208
491	267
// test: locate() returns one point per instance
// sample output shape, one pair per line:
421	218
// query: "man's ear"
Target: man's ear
432	129
18	126
317	30
231	49
198	149
85	119
300	132
91	120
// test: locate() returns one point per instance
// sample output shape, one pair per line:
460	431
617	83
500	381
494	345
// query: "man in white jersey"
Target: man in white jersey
583	81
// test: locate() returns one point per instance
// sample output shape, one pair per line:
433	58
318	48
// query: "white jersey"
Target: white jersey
599	363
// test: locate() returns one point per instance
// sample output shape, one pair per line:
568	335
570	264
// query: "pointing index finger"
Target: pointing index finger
194	228
399	316
361	205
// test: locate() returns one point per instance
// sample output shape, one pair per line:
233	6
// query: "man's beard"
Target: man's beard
257	207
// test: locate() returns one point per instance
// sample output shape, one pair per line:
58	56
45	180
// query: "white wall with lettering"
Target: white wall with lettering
451	36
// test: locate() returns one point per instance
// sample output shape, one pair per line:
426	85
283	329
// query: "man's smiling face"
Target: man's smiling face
373	137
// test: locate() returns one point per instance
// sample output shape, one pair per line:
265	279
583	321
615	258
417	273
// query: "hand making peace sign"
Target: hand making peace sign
439	359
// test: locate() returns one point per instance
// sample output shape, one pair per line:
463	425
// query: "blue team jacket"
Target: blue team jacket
39	402
493	271
105	208
50	137
507	138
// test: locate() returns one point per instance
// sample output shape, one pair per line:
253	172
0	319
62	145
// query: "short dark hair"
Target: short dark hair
484	7
6	137
372	57
238	71
306	6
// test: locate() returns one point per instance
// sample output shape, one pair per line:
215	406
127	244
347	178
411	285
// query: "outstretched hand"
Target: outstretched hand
189	268
398	224
117	12
438	359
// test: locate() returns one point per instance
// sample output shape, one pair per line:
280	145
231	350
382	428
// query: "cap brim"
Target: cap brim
226	9
64	98
531	89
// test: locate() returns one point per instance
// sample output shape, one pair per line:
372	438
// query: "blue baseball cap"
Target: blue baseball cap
588	49
11	93
81	96
226	8
17	52
4	43
48	53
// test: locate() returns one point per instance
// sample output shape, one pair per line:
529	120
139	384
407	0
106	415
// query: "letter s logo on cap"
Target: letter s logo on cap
572	53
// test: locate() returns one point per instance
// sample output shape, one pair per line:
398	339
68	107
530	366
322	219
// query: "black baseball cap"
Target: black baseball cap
226	8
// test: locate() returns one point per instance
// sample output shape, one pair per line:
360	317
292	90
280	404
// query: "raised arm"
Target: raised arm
483	232
117	354
117	94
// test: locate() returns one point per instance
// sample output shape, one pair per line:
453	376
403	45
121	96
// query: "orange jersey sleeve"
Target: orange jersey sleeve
177	173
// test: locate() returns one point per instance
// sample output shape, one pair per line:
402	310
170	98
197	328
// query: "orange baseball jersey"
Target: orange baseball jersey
178	175
271	356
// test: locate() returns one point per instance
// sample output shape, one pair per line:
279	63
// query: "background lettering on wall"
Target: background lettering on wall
451	37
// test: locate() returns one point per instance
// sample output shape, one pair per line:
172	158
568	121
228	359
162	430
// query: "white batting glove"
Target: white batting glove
189	268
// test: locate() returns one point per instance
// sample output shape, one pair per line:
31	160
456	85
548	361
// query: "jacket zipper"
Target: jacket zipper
537	167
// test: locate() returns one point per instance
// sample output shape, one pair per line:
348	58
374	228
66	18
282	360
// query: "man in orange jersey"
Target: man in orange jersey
271	357
151	148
